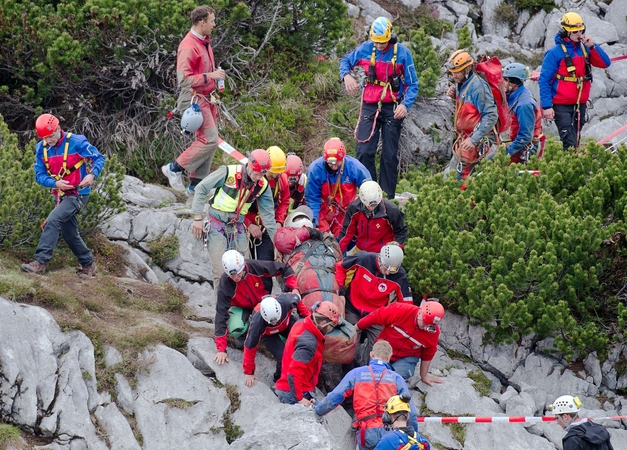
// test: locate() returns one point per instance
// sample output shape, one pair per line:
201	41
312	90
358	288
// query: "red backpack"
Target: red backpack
492	71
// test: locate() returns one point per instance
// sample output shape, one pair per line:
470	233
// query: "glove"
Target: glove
342	291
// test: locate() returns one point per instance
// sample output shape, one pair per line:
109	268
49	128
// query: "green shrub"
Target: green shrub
464	40
427	62
506	13
164	249
535	5
9	434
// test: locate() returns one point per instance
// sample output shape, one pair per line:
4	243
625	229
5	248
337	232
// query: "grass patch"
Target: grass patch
481	382
164	249
231	431
454	354
458	431
9	434
178	403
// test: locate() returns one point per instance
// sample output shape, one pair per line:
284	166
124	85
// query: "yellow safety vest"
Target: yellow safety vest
232	196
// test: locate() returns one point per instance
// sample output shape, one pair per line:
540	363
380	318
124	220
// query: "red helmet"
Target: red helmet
294	167
259	161
45	125
334	151
432	312
287	239
328	310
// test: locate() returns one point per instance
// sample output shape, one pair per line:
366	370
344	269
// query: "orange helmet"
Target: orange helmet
259	161
294	168
334	151
328	310
458	61
45	125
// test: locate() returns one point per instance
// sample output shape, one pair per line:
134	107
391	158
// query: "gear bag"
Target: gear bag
492	71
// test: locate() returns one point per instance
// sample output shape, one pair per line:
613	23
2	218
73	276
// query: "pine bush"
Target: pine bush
427	62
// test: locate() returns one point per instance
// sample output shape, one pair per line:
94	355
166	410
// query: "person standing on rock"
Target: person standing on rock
302	358
403	436
390	88
67	164
197	75
566	78
370	386
581	434
413	332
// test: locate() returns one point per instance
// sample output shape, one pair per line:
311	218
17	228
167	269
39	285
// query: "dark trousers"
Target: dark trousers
63	220
569	123
263	252
367	336
276	346
389	129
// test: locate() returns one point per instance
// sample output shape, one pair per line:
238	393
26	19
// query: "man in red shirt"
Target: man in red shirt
413	333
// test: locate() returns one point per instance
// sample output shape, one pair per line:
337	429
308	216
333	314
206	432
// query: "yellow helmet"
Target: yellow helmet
398	403
381	30
572	21
278	160
458	61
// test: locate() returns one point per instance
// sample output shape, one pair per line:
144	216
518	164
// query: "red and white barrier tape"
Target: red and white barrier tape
228	149
612	135
503	419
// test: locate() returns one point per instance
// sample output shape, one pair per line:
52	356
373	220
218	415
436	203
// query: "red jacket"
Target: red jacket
386	224
280	189
402	332
302	359
247	293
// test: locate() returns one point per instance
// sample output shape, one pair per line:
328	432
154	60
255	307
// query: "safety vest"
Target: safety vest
233	196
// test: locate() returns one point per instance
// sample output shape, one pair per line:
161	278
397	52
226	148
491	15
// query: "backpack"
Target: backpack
492	71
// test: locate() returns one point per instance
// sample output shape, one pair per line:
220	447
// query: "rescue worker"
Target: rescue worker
297	180
372	221
412	331
525	133
302	357
475	114
370	281
389	90
566	78
270	324
403	436
261	246
332	183
196	75
67	164
580	432
370	386
236	188
241	289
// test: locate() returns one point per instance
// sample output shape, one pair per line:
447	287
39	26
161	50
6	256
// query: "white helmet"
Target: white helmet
370	193
191	119
270	310
565	404
391	257
300	217
233	262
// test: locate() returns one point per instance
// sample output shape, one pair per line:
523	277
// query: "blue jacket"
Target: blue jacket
398	439
523	106
474	96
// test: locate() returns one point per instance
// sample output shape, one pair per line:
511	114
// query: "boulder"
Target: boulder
490	21
616	14
533	34
145	195
497	436
371	9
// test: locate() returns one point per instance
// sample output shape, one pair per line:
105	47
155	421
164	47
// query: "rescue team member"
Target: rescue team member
580	432
475	114
403	436
390	88
525	132
61	164
297	180
236	188
241	289
370	386
302	357
372	221
261	246
413	332
370	281
566	78
271	323
332	183
196	75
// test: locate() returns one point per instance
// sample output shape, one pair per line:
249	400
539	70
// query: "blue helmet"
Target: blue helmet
381	30
516	70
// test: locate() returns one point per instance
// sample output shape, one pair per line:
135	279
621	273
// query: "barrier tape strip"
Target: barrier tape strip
229	150
503	419
614	134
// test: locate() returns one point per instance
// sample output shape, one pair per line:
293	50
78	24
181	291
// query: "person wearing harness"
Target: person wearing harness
332	183
240	290
369	281
67	164
403	435
372	221
270	324
566	78
297	180
302	357
236	188
412	331
196	74
475	114
261	246
581	434
389	90
525	133
370	386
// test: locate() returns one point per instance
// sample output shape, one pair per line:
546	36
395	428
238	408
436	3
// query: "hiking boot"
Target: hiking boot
34	267
87	271
174	178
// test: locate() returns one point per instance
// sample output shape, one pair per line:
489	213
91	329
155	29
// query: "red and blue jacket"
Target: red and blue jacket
78	149
373	229
475	110
401	331
259	328
323	189
384	69
554	91
367	288
399	438
247	293
370	386
526	120
302	359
